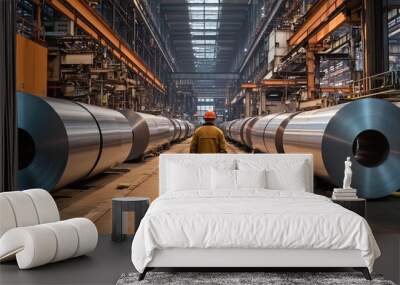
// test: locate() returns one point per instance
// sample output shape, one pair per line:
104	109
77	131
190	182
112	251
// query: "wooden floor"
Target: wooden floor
92	198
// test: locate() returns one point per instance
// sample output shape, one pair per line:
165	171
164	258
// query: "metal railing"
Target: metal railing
378	84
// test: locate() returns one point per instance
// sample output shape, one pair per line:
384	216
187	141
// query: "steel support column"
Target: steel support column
263	103
247	104
310	64
375	38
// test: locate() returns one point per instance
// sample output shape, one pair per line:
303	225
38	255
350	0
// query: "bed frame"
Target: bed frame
245	258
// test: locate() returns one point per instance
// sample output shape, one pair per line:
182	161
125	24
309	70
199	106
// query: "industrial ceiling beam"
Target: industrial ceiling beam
89	21
328	28
205	76
315	17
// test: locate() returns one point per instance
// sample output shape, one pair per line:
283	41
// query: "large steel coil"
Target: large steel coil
177	130
116	138
247	127
61	142
258	131
191	129
274	132
236	130
183	129
366	130
229	129
149	133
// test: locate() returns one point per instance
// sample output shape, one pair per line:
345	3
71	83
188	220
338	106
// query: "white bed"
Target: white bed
248	227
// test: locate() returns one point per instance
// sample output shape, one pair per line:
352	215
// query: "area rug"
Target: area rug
243	278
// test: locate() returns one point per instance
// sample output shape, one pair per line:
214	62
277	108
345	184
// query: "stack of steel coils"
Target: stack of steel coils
62	141
366	130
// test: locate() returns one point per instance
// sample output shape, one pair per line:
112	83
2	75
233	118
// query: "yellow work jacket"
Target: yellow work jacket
208	139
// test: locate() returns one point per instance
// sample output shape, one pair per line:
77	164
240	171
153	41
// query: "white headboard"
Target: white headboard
207	159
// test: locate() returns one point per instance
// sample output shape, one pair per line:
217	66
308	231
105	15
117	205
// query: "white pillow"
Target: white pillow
282	174
293	180
182	177
194	173
251	178
223	179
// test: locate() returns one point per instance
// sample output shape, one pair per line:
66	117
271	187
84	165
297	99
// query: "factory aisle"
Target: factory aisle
92	198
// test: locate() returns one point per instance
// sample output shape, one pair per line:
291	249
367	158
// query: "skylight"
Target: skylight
204	23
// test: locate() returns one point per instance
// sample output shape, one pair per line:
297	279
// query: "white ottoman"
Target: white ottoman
31	232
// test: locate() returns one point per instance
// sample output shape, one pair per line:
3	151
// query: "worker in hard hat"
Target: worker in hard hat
208	138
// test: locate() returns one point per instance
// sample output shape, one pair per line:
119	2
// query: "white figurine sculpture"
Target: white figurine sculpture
348	173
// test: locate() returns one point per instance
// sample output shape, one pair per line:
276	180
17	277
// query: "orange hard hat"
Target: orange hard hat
210	115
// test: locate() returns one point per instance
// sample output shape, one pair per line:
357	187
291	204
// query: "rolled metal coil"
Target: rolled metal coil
366	130
257	133
191	129
61	142
229	129
149	133
116	137
274	132
188	129
247	127
184	129
177	130
237	130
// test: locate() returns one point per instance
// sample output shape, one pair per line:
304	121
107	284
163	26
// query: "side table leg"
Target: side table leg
140	211
117	222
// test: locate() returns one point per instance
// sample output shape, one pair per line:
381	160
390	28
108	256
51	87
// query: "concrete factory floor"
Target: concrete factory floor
105	265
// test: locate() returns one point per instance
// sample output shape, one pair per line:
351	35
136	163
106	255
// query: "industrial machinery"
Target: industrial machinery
365	130
62	141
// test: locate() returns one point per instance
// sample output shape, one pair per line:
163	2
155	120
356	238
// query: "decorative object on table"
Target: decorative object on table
120	208
31	231
345	193
356	205
348	173
248	278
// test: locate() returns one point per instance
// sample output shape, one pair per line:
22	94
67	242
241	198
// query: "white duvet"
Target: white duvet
250	219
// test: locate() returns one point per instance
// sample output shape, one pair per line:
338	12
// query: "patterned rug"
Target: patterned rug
243	278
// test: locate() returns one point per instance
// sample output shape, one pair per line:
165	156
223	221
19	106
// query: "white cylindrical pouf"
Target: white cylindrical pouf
7	218
23	208
45	205
67	240
33	246
87	234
